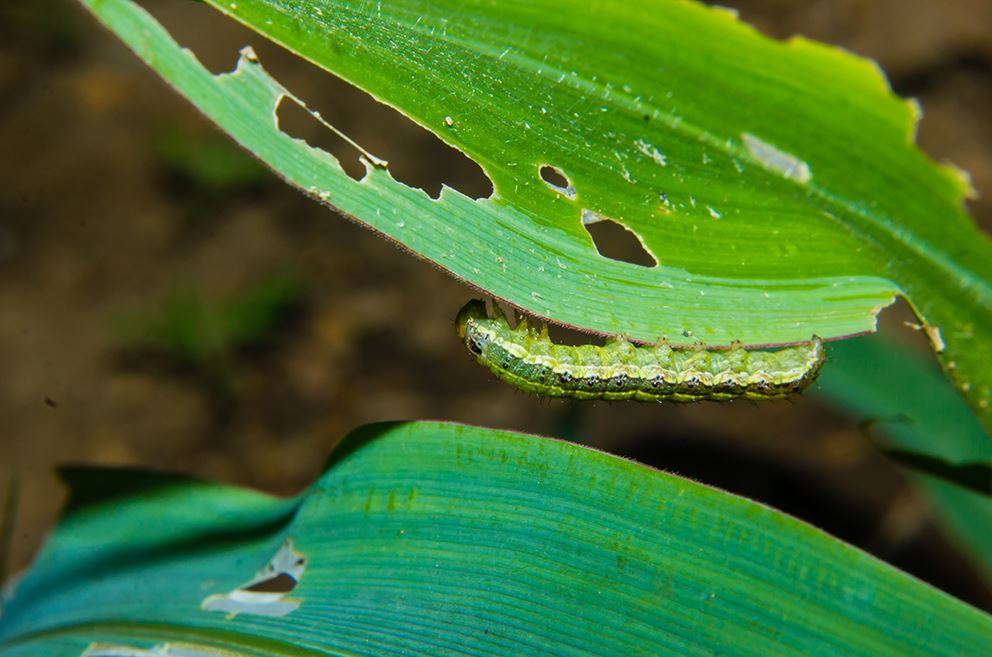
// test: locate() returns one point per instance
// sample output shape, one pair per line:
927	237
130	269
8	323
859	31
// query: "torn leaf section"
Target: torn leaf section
776	160
265	594
163	650
249	54
337	118
301	123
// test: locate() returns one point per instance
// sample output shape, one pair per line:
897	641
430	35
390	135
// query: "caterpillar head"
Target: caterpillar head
473	310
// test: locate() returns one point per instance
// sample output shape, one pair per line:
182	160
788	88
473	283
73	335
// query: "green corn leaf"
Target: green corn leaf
442	540
776	184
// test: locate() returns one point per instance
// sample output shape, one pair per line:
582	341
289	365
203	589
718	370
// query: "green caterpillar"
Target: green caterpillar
620	370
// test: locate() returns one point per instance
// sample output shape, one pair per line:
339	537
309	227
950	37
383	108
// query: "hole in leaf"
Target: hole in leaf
281	583
556	179
416	156
264	594
615	241
298	122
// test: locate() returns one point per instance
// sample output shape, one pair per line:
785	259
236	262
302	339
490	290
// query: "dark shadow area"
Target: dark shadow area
91	487
8	521
973	476
570	336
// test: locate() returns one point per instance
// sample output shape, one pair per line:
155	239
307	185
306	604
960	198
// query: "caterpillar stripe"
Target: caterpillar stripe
620	370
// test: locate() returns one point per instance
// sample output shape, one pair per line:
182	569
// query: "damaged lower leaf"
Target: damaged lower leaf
443	540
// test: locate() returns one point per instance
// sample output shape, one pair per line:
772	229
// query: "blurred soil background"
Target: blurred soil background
166	302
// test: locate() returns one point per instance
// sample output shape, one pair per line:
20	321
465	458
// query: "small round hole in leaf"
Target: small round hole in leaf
556	179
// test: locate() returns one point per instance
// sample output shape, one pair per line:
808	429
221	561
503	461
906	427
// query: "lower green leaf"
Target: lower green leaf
441	539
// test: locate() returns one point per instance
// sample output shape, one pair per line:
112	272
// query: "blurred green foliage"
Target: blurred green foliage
209	162
912	413
205	337
49	26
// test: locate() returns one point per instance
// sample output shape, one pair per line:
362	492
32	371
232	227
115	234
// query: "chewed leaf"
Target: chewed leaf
775	184
455	541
